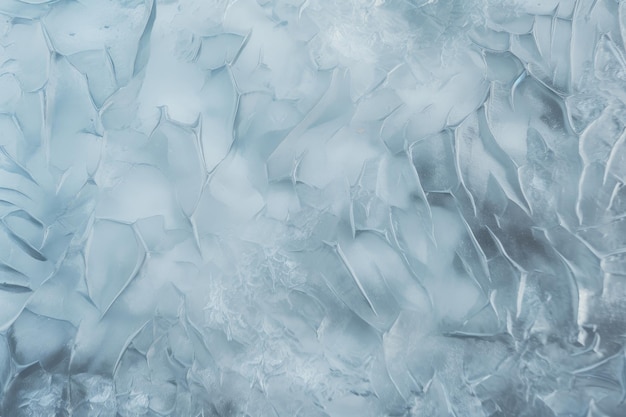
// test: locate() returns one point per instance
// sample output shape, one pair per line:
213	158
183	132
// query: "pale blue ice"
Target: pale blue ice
312	208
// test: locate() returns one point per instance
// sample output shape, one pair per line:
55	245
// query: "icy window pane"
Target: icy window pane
326	208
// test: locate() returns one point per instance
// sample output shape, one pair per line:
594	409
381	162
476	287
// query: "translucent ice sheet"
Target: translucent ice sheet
312	208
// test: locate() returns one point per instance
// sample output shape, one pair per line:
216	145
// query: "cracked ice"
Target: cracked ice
312	208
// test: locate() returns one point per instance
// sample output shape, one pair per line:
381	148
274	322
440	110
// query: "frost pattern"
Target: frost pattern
312	208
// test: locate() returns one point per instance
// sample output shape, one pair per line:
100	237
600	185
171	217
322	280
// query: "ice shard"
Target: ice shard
329	208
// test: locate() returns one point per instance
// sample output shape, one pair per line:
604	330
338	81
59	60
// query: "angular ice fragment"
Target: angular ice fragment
607	238
133	385
474	143
328	115
117	28
14	297
583	110
184	164
25	10
99	71
30	66
27	332
73	120
218	115
93	396
36	392
142	192
218	51
609	62
113	258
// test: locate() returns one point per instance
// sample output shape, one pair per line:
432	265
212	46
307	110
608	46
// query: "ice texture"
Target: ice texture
313	208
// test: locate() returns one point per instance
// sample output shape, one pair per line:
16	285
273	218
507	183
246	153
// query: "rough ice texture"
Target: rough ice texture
312	208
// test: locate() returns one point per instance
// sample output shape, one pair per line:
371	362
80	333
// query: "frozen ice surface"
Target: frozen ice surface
329	208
